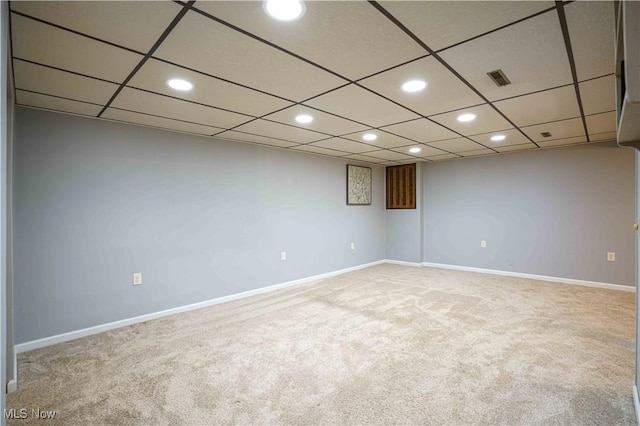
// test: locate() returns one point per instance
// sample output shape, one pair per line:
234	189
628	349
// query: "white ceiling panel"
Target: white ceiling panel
558	129
512	137
48	45
425	151
537	61
441	23
56	104
153	121
487	120
457	145
384	139
542	107
477	153
358	104
598	95
154	74
590	26
364	158
319	150
139	101
442	157
368	42
345	145
229	54
50	81
139	23
390	155
601	123
563	142
281	131
322	122
606	136
511	148
256	139
421	130
444	91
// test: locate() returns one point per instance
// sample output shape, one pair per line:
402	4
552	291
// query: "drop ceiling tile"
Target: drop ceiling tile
255	139
139	23
558	129
367	40
364	158
139	101
512	137
322	122
154	74
601	123
425	151
591	28
612	136
443	157
477	153
224	52
358	104
345	145
563	142
487	120
440	24
153	121
384	140
511	148
50	81
444	91
48	45
281	131
56	104
319	150
598	95
421	130
457	145
390	155
532	54
542	107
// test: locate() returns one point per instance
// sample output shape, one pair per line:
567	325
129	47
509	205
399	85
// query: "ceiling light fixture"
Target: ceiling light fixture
466	117
284	10
180	84
415	150
304	118
369	136
414	86
498	138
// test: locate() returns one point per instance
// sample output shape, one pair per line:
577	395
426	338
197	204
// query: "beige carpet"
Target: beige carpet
384	345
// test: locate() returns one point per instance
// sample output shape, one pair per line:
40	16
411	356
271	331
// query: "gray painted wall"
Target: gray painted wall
96	201
4	54
548	212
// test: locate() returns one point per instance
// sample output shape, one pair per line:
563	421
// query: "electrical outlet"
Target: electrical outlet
611	256
137	278
353	246
283	255
483	244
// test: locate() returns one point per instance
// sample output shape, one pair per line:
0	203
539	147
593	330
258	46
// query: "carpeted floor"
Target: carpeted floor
384	345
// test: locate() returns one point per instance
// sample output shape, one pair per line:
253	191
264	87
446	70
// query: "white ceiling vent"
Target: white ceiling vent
499	78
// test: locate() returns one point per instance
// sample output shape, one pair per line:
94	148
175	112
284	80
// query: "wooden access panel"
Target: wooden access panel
401	187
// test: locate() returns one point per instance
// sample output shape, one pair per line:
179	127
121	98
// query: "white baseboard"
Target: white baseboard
402	262
12	386
76	334
636	403
533	277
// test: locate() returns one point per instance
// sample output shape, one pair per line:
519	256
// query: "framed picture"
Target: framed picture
358	185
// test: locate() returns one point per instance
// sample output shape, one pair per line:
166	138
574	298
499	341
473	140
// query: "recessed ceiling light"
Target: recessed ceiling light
414	86
466	117
369	136
498	138
284	10
304	118
415	150
180	84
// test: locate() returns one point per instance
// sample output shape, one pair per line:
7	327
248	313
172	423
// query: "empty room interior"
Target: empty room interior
319	212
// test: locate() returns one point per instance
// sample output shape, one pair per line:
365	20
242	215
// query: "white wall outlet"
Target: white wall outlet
353	246
611	256
483	244
137	278
283	255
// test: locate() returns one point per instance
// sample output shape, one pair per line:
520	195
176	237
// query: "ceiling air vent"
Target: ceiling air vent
498	78
546	134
